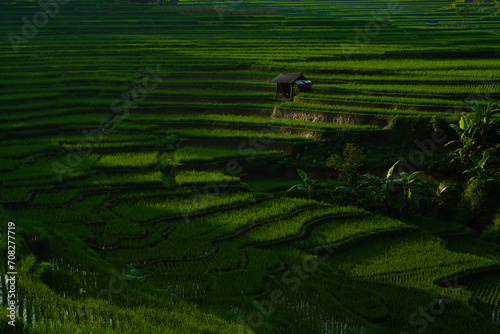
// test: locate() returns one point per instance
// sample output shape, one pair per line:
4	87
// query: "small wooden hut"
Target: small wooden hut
290	84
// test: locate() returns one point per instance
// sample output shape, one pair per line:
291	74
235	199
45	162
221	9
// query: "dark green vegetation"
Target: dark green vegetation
160	205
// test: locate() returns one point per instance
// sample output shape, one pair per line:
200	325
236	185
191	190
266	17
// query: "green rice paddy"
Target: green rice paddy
145	160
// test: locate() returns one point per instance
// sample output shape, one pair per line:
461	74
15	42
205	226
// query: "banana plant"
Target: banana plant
380	186
385	183
340	193
472	130
466	137
477	171
307	184
386	188
412	187
437	194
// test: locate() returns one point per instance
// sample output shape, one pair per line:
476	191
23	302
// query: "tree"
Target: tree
347	164
380	187
477	171
473	131
478	133
413	189
463	12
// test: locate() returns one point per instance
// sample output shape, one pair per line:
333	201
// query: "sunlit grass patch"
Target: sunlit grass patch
203	177
129	159
202	154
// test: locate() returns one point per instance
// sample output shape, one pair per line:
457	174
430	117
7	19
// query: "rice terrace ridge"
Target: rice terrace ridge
285	166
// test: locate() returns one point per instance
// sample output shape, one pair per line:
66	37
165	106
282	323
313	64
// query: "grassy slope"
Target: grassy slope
64	80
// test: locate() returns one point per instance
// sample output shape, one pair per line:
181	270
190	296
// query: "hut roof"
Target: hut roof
288	78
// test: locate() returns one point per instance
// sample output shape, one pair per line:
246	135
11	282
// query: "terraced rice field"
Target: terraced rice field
144	160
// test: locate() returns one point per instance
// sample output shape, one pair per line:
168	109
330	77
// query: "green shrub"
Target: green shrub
348	164
479	203
492	233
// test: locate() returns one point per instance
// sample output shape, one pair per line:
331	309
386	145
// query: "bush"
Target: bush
347	165
492	233
479	204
